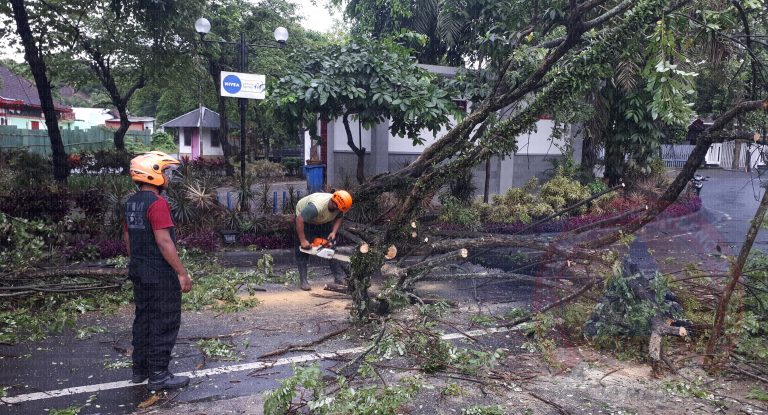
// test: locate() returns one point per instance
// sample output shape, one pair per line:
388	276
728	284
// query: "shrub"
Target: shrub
292	165
108	161
93	249
265	169
29	169
204	167
91	202
36	202
206	241
561	192
265	241
455	212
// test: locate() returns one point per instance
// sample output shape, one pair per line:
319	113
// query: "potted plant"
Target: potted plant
232	224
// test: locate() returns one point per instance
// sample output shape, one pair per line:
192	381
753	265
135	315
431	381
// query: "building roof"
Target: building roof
131	118
446	71
199	117
15	88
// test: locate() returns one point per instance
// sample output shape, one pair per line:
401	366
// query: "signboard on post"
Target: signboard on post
242	85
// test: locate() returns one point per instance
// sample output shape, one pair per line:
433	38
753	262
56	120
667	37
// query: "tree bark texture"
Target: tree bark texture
214	70
37	65
359	151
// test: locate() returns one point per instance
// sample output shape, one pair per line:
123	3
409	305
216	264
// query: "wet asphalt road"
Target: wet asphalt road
290	317
729	198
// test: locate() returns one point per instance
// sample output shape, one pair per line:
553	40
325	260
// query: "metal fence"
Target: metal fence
675	155
75	141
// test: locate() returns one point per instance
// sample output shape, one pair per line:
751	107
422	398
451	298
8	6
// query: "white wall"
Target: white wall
539	142
396	144
182	148
207	150
340	135
86	118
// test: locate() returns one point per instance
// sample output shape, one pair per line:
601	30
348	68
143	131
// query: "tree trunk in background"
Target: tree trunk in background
226	147
614	161
588	158
37	66
487	187
359	152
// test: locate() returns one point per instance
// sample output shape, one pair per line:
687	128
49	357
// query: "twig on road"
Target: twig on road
292	347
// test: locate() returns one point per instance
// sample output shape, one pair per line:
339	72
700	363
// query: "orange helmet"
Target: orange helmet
342	199
150	168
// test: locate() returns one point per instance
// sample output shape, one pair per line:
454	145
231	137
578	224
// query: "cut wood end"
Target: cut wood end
364	248
414	234
623	185
683	332
463	252
426	239
391	252
413	224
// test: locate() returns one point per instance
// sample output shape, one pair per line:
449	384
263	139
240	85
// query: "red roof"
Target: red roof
15	90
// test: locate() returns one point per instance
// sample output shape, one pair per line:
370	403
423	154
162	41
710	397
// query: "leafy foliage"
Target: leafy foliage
523	204
752	327
223	288
348	400
22	244
217	349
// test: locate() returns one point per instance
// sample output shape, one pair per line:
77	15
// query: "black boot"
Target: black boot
303	283
339	276
166	380
139	377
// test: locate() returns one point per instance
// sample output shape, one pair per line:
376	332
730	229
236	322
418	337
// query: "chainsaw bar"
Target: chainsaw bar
326	253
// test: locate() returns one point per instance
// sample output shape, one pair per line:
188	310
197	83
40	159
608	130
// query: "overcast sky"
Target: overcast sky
316	16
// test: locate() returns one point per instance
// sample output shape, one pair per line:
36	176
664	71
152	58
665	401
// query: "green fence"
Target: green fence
75	141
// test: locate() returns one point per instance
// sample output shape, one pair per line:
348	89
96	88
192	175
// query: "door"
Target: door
195	143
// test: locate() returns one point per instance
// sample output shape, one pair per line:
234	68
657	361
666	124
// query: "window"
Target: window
187	137
35	125
215	142
3	121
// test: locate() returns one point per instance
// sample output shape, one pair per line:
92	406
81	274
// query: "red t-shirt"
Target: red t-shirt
159	214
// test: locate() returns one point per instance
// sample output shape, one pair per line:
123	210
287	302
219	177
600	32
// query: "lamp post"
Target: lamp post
202	27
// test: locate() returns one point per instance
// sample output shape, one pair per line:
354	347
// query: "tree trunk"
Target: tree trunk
100	66
588	158
359	151
487	187
226	147
37	65
614	161
125	124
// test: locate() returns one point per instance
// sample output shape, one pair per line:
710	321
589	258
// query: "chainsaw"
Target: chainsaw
323	248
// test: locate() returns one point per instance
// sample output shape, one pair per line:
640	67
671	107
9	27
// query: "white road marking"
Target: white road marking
225	369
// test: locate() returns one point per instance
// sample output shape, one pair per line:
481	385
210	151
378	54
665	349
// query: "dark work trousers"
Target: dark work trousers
157	321
311	232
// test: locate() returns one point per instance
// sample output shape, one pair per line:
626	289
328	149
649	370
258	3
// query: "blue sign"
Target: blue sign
232	84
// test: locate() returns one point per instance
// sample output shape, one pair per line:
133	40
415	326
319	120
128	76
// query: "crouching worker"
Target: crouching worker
157	273
319	215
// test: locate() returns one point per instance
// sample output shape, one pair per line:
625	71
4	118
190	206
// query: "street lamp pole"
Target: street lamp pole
203	26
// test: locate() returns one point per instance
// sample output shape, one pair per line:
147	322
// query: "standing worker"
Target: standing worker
157	273
319	215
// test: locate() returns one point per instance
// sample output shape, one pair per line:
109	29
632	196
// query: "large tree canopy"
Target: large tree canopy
372	81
